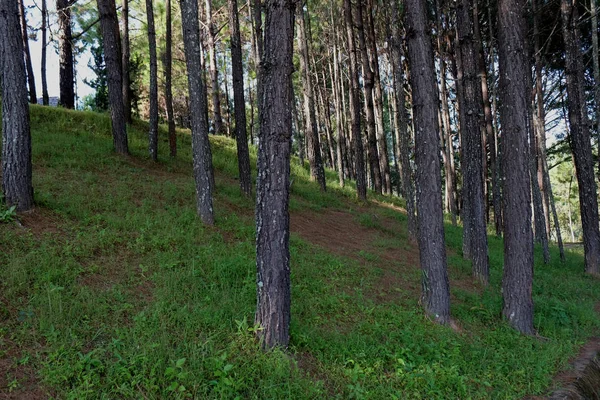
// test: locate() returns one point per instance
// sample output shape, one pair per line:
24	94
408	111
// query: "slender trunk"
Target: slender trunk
153	89
201	153
65	54
258	54
596	67
325	101
16	137
237	71
432	249
45	97
517	280
125	57
213	71
169	80
341	148
27	54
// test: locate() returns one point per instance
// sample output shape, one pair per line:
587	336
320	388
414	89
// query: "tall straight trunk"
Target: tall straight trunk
596	67
432	248
382	147
227	98
272	194
27	54
201	153
368	85
402	134
517	280
580	138
16	137
125	57
153	131
65	54
237	72
325	101
219	129
312	134
112	58
258	52
472	153
44	29
169	80
339	124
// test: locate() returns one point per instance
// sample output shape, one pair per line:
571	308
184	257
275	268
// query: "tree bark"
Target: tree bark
16	137
169	80
44	29
432	247
153	131
112	58
341	147
596	67
239	101
580	138
361	178
518	238
125	67
27	54
65	54
272	214
219	129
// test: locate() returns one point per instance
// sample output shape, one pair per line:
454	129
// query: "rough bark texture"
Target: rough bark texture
312	133
272	215
472	152
361	178
44	29
432	247
518	237
65	54
169	80
201	153
16	138
27	53
580	138
153	89
219	129
596	66
112	58
239	101
126	55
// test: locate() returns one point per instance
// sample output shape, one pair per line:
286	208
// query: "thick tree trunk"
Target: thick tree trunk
65	54
272	214
361	178
16	137
219	129
596	67
153	132
472	152
432	248
126	55
27	53
239	101
169	80
518	238
44	29
112	58
201	153
580	138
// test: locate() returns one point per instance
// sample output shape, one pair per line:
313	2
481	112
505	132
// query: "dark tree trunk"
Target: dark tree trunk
65	54
432	247
472	152
153	131
258	53
169	80
272	193
16	138
44	29
341	147
596	68
112	57
239	101
219	129
202	156
125	65
518	238
361	178
580	138
27	53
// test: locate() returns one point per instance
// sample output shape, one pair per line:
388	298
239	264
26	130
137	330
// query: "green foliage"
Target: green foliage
8	214
125	294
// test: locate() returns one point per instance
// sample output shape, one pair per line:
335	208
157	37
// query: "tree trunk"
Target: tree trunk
258	54
112	58
312	134
472	152
27	53
65	54
16	137
339	125
432	247
153	132
201	153
169	80
126	55
44	29
239	101
272	199
596	67
518	238
580	138
361	178
219	129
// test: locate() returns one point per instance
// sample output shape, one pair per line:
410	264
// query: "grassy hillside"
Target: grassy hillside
112	288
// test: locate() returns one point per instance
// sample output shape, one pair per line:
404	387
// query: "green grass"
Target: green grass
118	291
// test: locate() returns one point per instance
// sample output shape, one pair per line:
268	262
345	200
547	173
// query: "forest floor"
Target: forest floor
112	288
